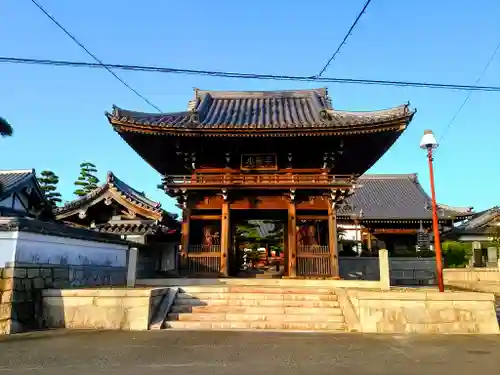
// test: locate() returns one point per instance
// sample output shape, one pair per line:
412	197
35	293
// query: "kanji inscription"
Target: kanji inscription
259	162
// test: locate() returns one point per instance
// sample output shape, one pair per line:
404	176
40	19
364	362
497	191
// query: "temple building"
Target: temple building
21	195
116	208
234	156
393	212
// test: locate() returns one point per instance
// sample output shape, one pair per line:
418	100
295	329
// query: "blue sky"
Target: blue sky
58	113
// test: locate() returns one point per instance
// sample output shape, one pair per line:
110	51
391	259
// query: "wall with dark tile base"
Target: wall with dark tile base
21	288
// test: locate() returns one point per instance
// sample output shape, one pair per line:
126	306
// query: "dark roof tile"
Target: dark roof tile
112	182
392	197
239	110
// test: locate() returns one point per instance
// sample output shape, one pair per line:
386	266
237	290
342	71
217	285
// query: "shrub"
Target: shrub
456	254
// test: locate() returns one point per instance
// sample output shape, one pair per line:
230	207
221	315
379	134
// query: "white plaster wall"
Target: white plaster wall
8	242
351	232
38	248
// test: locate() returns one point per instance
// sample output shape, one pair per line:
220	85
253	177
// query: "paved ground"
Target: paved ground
242	353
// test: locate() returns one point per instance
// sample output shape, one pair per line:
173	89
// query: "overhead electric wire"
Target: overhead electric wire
93	56
447	128
345	38
224	74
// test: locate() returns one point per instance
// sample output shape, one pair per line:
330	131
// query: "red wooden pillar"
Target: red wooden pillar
186	223
292	239
332	240
225	239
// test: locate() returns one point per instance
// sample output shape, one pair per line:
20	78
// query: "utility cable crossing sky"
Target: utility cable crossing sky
157	69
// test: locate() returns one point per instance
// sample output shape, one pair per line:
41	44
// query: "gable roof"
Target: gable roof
395	197
263	111
480	222
116	188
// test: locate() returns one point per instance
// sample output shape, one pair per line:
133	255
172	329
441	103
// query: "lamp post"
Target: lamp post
429	143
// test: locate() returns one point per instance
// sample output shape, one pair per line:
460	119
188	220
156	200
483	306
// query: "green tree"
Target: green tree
87	180
48	182
5	128
495	235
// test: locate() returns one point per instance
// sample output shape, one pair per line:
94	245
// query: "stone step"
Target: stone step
254	289
270	325
236	317
256	309
258	296
255	302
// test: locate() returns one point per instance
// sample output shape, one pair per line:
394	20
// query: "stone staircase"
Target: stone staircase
256	307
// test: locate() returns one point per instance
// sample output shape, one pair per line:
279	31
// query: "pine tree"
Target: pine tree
87	180
5	128
48	182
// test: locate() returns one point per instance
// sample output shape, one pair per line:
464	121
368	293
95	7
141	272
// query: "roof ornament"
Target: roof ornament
82	214
108	201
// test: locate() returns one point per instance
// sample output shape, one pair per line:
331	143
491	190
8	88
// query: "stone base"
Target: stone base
425	312
120	308
21	288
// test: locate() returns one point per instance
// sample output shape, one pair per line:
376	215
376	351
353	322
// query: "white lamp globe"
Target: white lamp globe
428	140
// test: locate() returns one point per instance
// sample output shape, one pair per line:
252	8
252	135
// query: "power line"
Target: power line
224	74
93	56
447	128
345	38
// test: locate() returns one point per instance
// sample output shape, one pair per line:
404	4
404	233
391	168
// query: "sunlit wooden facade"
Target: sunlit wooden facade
282	154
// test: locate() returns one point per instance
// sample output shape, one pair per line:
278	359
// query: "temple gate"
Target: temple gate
288	153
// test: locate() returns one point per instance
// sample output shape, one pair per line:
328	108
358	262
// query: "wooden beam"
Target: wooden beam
225	239
206	217
312	217
332	240
292	240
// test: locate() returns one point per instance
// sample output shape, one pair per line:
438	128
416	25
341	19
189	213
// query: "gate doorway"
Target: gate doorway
258	244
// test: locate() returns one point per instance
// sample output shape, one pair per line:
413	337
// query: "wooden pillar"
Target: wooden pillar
186	223
292	239
225	239
369	238
332	240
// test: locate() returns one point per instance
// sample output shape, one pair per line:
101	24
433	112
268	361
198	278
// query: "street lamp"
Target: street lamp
429	143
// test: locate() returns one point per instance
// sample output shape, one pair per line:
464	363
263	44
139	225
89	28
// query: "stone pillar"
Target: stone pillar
492	257
292	240
225	240
132	267
383	263
332	240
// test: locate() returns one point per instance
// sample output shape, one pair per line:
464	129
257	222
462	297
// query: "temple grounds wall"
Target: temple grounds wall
31	262
424	312
117	308
471	274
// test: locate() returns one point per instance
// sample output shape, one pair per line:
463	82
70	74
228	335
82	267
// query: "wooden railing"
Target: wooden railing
203	260
257	179
313	260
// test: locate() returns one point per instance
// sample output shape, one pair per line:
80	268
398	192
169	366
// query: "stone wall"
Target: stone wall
424	312
21	288
403	271
471	274
124	309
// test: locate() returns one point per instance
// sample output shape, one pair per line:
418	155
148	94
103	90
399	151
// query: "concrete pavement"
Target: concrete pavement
245	353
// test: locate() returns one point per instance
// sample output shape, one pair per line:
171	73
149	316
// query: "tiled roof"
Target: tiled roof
260	110
133	227
14	180
393	197
55	229
112	182
479	222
